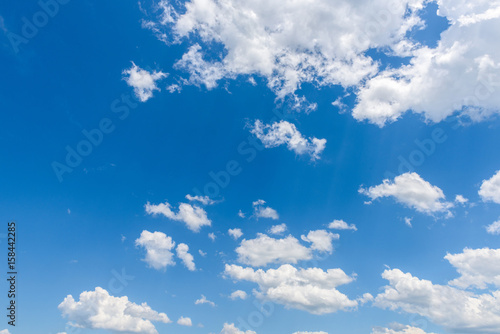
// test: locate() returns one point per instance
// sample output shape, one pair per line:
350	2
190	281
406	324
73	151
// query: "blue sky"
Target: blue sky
185	90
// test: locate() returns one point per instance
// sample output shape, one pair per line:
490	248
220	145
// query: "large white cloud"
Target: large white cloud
98	310
193	216
490	189
285	133
413	191
143	82
312	290
450	305
158	249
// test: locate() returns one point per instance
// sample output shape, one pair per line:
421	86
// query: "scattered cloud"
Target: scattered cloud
261	211
183	254
205	200
413	191
399	329
490	189
408	221
311	332
341	225
285	133
494	228
204	300
158	249
193	216
231	329
277	229
185	321
312	290
321	240
202	253
143	82
235	233
238	294
98	310
211	236
241	214
461	199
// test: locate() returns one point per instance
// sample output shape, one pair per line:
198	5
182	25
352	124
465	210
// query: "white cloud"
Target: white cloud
311	332
450	305
241	214
6	331
205	200
183	254
413	191
264	250
461	199
193	216
231	329
211	236
158	249
490	189
341	225
321	240
185	321
235	233
143	82
478	267
238	294
261	211
285	133
204	300
277	229
202	253
399	329
408	221
312	290
98	310
494	228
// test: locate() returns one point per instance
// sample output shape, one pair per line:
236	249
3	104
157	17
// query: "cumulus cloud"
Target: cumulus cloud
461	199
235	233
494	228
205	200
490	189
232	329
193	216
341	225
185	321
261	211
211	236
277	229
312	290
399	329
450	305
6	331
413	191
238	294
285	133
143	82
204	300
241	214
98	310
158	249
321	240
264	250
183	254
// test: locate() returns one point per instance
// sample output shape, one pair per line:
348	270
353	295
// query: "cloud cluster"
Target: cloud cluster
98	310
143	82
413	191
193	216
285	133
312	290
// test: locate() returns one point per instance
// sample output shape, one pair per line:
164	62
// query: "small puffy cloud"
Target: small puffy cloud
98	310
205	200
261	211
312	290
235	233
285	133
238	294
341	225
202	253
185	321
494	228
321	240
241	214
193	216
232	329
490	189
183	254
451	306
478	267
413	191
264	250
158	249
211	236
461	199
399	329
204	300
143	82
6	331
408	221
277	229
